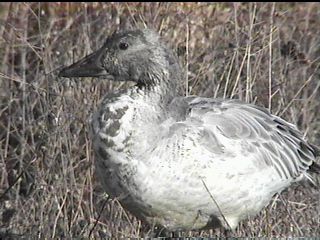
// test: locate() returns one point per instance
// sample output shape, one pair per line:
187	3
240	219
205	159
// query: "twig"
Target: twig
97	220
270	57
214	201
290	215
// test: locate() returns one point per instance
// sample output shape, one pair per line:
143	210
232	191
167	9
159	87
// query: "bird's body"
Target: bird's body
185	162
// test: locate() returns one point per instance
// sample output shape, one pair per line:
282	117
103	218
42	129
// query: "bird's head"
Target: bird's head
134	55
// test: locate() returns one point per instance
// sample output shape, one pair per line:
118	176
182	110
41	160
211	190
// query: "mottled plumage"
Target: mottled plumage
184	162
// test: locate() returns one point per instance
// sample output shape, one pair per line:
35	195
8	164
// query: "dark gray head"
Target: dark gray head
135	55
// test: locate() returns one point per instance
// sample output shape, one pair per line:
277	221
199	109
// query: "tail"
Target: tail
315	167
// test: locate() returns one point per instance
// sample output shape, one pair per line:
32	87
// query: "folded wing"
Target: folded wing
280	143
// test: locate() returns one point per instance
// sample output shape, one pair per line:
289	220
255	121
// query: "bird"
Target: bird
184	162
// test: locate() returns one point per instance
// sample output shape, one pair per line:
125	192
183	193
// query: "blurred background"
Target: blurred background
265	53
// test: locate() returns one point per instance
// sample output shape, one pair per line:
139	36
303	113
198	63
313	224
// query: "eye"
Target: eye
123	45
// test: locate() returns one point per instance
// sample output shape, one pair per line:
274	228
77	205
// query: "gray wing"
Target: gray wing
280	143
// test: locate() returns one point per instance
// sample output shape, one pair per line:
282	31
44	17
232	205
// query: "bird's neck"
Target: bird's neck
160	82
160	88
132	116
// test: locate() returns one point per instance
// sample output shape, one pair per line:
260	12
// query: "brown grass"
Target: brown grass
263	53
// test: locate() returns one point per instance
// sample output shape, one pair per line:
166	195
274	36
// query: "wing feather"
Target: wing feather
280	143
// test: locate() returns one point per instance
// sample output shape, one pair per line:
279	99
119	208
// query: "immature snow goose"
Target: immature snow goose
183	162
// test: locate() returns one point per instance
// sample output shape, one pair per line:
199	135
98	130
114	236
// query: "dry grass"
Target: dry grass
264	53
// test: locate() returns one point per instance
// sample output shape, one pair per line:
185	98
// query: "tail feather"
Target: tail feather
315	168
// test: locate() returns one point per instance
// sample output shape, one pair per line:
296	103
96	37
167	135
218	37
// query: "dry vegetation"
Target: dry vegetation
264	53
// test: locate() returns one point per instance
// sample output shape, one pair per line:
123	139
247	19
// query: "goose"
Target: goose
184	162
